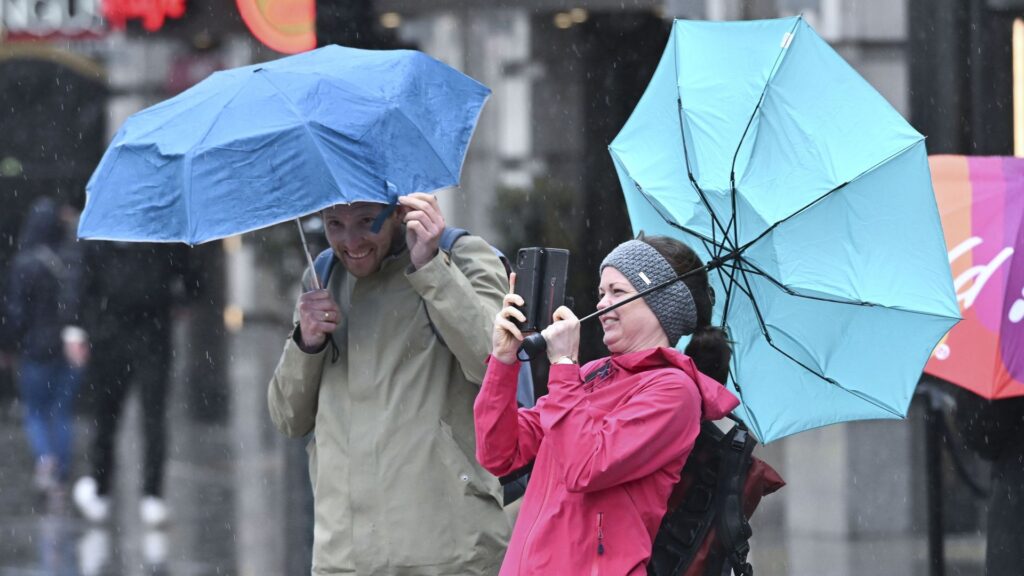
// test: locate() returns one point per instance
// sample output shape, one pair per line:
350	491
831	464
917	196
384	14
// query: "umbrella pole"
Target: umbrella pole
309	258
933	471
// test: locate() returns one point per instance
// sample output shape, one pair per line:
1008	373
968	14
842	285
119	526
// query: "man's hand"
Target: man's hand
318	318
424	224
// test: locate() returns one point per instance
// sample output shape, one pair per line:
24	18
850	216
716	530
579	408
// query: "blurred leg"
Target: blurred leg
34	390
111	370
154	377
67	379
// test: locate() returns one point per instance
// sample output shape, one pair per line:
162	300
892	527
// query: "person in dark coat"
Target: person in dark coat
39	325
995	430
130	290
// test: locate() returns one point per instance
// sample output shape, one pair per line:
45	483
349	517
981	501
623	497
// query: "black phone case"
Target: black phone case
540	280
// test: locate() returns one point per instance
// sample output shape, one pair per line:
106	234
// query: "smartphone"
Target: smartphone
540	280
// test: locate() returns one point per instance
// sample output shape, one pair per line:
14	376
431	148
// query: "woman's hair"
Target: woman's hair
709	347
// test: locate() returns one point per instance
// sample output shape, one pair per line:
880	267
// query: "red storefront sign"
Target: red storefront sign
153	13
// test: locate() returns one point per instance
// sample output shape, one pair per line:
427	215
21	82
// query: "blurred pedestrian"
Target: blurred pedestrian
40	316
382	367
609	440
130	291
995	430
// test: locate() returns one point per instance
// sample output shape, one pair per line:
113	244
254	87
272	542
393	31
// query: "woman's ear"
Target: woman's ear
711	294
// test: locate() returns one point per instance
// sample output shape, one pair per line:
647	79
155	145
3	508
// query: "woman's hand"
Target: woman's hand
506	338
563	336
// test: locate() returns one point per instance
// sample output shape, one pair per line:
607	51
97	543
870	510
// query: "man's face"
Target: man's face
348	228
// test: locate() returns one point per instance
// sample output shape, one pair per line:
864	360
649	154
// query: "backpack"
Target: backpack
705	530
514	484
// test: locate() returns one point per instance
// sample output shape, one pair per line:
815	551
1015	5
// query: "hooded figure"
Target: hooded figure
40	305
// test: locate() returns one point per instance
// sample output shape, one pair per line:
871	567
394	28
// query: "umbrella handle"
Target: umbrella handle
309	258
535	344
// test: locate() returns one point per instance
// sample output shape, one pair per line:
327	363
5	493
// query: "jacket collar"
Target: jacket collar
716	400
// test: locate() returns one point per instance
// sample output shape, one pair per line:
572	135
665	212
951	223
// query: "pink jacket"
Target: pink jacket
607	453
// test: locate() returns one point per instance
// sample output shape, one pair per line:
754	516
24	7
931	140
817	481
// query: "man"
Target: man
383	367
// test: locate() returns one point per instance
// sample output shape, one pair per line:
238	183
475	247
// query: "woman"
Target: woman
610	438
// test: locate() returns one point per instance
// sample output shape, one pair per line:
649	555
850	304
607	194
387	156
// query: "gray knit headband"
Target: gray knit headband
644	267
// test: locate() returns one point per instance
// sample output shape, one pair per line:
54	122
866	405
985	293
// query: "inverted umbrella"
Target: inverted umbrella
257	145
981	200
810	197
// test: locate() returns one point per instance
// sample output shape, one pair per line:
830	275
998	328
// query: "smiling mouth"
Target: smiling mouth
355	256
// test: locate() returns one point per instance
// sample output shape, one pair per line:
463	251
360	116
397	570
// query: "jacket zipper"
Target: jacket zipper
594	570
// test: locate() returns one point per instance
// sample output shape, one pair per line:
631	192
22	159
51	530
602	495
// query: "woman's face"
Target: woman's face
632	327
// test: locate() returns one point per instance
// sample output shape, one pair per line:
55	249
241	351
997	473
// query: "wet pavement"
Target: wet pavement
49	538
233	508
237	490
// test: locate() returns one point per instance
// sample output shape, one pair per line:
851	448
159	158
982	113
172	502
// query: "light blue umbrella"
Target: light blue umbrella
759	146
254	146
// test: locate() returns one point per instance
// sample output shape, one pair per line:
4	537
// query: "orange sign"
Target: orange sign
288	26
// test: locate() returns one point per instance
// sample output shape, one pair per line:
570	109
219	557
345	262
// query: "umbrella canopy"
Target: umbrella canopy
253	146
981	200
758	145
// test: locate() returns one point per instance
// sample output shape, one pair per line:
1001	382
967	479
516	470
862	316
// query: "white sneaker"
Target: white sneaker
93	551
94	508
153	511
154	547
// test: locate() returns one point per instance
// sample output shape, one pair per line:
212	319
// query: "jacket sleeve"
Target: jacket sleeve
507	437
635	439
463	293
294	390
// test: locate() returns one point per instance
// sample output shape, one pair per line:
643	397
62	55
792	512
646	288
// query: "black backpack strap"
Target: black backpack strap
684	528
733	528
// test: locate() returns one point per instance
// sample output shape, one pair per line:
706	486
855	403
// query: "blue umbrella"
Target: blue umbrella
759	146
254	146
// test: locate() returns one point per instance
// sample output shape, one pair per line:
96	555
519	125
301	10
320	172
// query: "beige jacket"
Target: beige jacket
397	488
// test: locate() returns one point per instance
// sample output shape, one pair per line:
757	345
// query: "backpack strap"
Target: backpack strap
731	523
451	235
323	265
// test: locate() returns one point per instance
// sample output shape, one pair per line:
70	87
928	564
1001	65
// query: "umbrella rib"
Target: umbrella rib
753	114
668	220
689	173
771	228
764	331
746	289
305	125
454	177
686	153
754	269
